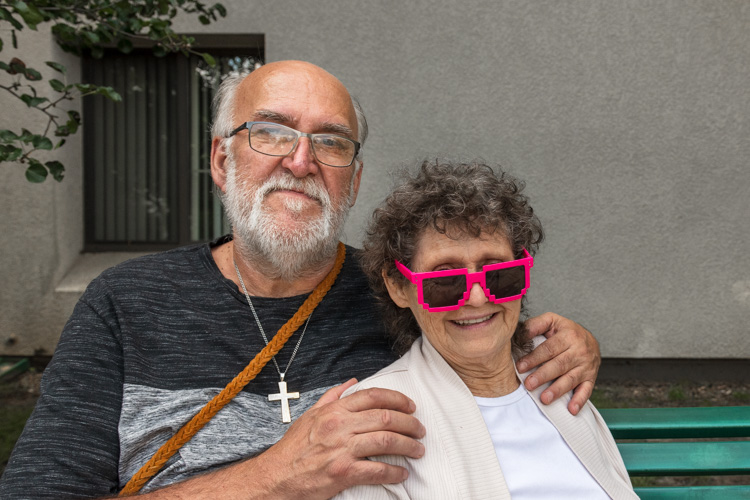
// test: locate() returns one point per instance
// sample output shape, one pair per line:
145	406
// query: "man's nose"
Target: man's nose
301	161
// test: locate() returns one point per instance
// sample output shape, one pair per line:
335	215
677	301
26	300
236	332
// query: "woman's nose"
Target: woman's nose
476	295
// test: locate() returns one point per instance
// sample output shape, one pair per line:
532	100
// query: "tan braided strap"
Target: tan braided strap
163	454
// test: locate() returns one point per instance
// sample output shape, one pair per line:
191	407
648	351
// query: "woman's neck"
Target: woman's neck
484	382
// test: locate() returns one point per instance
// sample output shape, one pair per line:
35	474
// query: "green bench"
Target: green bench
684	442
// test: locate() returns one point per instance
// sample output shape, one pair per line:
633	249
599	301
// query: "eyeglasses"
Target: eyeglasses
273	139
450	289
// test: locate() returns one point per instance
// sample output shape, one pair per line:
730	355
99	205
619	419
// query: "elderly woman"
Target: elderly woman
449	255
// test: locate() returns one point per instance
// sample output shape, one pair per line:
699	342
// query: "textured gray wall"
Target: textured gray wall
41	227
628	120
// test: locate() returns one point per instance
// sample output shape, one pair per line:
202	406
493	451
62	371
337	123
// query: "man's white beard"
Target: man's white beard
289	253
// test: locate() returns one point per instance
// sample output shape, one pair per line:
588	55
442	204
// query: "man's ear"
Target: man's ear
218	162
356	181
396	291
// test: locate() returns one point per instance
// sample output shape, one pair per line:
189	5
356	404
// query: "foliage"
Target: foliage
81	26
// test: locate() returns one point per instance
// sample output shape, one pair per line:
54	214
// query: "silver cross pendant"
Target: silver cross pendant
284	397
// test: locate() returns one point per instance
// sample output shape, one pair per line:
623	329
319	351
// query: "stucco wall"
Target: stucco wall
628	120
41	227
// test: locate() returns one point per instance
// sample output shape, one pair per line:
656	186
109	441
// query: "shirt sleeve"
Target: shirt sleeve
70	445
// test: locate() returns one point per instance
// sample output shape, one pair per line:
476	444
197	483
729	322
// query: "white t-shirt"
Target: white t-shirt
536	461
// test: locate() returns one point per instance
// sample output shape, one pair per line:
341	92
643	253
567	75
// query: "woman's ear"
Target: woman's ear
395	290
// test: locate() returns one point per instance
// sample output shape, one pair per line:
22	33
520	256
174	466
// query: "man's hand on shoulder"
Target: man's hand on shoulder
325	450
570	355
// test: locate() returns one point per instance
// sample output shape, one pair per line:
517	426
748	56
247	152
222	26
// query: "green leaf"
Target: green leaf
60	144
29	13
209	59
8	136
33	102
92	37
163	8
32	75
56	66
125	46
9	152
1	44
5	67
57	85
41	142
221	9
110	93
84	88
36	173
26	136
204	19
5	15
75	116
159	51
62	131
56	169
17	66
13	37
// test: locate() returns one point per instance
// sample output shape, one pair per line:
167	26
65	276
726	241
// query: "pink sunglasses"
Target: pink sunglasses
450	289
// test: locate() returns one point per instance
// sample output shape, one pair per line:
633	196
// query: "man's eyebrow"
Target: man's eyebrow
284	119
337	128
275	116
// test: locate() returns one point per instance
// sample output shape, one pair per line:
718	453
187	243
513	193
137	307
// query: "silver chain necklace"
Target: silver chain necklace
282	395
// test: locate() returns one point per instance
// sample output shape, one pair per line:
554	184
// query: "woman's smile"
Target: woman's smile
473	321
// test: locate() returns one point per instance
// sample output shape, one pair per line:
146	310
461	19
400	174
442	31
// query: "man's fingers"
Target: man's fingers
561	386
376	398
334	424
386	443
372	472
388	420
546	351
334	393
543	324
580	396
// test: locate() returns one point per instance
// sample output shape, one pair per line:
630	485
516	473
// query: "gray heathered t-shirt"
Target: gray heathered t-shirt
149	343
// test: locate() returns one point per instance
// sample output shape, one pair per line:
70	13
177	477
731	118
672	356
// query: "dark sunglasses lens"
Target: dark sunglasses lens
506	282
445	291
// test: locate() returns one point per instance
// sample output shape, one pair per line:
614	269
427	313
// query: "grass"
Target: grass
600	399
12	420
676	393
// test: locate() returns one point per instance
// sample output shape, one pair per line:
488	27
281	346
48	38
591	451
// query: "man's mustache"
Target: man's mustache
306	186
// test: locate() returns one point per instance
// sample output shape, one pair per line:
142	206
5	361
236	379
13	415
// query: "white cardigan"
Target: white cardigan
460	460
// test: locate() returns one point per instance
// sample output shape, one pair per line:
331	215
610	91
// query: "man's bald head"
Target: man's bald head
285	79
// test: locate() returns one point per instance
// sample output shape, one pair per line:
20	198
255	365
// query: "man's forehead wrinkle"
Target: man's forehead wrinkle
292	93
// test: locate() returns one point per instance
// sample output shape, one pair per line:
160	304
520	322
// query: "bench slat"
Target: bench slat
695	493
671	423
686	459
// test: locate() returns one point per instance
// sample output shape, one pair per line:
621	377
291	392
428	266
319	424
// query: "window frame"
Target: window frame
218	45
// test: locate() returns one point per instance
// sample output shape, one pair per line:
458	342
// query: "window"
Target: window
147	159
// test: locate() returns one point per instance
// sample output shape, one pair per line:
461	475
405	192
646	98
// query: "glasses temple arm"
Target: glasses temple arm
238	129
405	271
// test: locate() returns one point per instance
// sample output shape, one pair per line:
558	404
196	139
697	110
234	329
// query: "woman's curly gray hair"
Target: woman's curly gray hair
453	198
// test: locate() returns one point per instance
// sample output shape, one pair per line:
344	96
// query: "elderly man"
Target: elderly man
153	340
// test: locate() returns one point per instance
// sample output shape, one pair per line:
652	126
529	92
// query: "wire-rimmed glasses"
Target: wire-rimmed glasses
273	139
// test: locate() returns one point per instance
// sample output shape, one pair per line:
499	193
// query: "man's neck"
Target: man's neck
259	284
